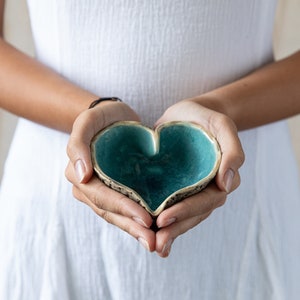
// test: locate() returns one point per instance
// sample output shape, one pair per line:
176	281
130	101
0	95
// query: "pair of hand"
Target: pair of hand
119	210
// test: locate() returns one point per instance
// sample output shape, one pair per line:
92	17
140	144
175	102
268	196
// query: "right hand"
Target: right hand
191	211
110	205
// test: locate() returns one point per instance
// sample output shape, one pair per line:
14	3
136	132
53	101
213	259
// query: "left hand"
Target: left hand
108	204
188	213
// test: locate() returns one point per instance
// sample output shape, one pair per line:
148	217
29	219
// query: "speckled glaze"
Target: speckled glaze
155	168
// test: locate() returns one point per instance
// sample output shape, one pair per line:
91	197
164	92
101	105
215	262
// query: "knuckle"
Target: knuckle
119	206
82	118
200	219
98	202
204	217
67	173
208	203
212	202
77	194
105	215
220	201
240	158
187	207
128	229
122	205
69	148
100	120
72	149
222	120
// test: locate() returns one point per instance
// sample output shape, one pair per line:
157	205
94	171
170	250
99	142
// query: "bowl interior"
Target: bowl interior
155	164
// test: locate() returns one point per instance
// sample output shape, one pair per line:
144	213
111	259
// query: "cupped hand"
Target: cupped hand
110	205
188	213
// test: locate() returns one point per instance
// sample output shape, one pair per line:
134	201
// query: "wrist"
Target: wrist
99	100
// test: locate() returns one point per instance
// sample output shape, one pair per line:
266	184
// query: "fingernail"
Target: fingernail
167	247
228	179
79	170
144	243
140	221
169	222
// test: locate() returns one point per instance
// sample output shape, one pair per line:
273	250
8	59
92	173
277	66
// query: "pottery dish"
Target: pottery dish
155	168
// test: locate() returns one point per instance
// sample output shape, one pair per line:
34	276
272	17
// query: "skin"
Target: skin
35	92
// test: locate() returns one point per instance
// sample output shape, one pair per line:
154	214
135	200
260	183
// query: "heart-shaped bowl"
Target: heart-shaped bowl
156	168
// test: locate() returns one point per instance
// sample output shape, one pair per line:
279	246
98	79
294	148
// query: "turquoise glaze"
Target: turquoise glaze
152	166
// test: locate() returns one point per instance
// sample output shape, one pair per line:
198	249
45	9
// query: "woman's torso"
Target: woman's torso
152	53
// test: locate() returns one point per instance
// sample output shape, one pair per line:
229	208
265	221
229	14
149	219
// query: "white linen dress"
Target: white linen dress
151	54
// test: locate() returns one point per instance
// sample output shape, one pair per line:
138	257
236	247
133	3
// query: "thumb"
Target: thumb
78	148
82	164
87	124
228	177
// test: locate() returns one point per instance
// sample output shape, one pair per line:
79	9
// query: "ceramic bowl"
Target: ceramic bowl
156	168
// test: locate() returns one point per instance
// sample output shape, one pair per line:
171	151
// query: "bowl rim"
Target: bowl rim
155	135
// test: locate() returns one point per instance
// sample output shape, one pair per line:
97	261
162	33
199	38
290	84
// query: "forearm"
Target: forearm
267	95
33	91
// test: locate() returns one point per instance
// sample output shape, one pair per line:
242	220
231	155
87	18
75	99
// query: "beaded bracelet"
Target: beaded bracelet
96	102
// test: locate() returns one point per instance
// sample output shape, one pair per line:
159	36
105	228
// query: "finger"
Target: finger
166	236
106	198
78	148
196	205
95	192
233	156
144	235
236	181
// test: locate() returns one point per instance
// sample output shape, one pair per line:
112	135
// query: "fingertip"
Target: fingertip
83	171
228	180
147	240
164	222
145	223
144	243
224	180
163	249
